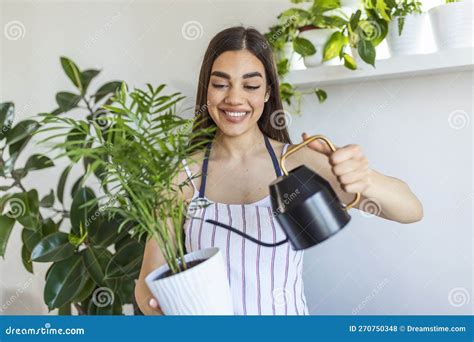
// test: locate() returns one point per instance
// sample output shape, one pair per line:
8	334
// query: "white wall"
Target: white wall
374	266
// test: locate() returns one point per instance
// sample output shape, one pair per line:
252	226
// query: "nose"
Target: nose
233	97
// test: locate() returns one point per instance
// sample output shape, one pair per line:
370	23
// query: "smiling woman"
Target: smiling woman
238	93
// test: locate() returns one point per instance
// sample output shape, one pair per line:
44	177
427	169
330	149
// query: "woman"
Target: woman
239	93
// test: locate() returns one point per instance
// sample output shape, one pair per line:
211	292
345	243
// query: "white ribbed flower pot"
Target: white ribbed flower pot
452	24
200	290
410	42
295	59
318	37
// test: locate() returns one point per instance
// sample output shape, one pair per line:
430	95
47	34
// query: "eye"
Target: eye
252	87
219	85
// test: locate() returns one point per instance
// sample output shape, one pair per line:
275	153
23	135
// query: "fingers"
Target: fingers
153	303
350	165
345	153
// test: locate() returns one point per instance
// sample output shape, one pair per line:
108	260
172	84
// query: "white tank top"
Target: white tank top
263	280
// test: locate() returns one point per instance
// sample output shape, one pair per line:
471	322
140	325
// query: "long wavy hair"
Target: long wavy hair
233	39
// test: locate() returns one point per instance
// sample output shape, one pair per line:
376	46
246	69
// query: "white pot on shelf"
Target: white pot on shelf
202	289
295	59
452	24
410	42
318	37
353	5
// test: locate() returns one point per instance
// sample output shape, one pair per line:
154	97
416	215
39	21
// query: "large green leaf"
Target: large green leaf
303	47
22	130
127	261
48	226
54	247
107	89
333	46
96	260
82	214
366	51
62	183
48	200
38	162
106	233
86	78
6	225
126	289
67	101
26	259
72	71
7	111
24	207
30	238
86	291
65	279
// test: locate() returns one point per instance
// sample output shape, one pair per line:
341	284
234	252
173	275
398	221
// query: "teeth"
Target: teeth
235	113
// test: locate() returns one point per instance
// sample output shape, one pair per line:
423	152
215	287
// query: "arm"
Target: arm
152	259
348	172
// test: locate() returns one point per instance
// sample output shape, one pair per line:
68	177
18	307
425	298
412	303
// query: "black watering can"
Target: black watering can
304	204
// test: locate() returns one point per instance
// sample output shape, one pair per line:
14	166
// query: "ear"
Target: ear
267	94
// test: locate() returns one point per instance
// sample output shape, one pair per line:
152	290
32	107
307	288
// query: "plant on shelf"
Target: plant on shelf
288	44
399	9
93	265
321	33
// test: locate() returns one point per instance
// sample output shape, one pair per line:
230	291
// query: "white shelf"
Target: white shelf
401	66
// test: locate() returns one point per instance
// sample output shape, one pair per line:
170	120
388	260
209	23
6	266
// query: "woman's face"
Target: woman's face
236	92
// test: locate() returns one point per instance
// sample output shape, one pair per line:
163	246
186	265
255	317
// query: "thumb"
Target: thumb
318	145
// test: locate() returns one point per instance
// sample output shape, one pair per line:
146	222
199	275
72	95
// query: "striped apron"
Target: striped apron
263	280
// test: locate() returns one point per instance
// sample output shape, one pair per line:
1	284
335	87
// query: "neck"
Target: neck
238	146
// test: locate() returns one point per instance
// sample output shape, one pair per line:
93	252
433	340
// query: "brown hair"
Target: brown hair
239	38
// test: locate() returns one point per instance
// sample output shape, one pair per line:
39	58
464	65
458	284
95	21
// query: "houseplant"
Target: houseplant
140	158
406	27
452	24
54	225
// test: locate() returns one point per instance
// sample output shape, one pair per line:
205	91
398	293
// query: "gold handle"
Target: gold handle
304	143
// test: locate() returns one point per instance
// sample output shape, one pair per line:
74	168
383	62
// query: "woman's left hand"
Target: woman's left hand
349	165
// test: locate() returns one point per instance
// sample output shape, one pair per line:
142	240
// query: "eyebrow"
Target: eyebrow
227	76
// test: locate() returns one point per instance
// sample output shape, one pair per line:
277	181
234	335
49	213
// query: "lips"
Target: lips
234	116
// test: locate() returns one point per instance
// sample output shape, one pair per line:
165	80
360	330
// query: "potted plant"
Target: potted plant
452	24
140	158
323	19
406	28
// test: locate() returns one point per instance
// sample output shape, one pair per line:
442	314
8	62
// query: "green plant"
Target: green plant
402	8
140	158
90	259
287	30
